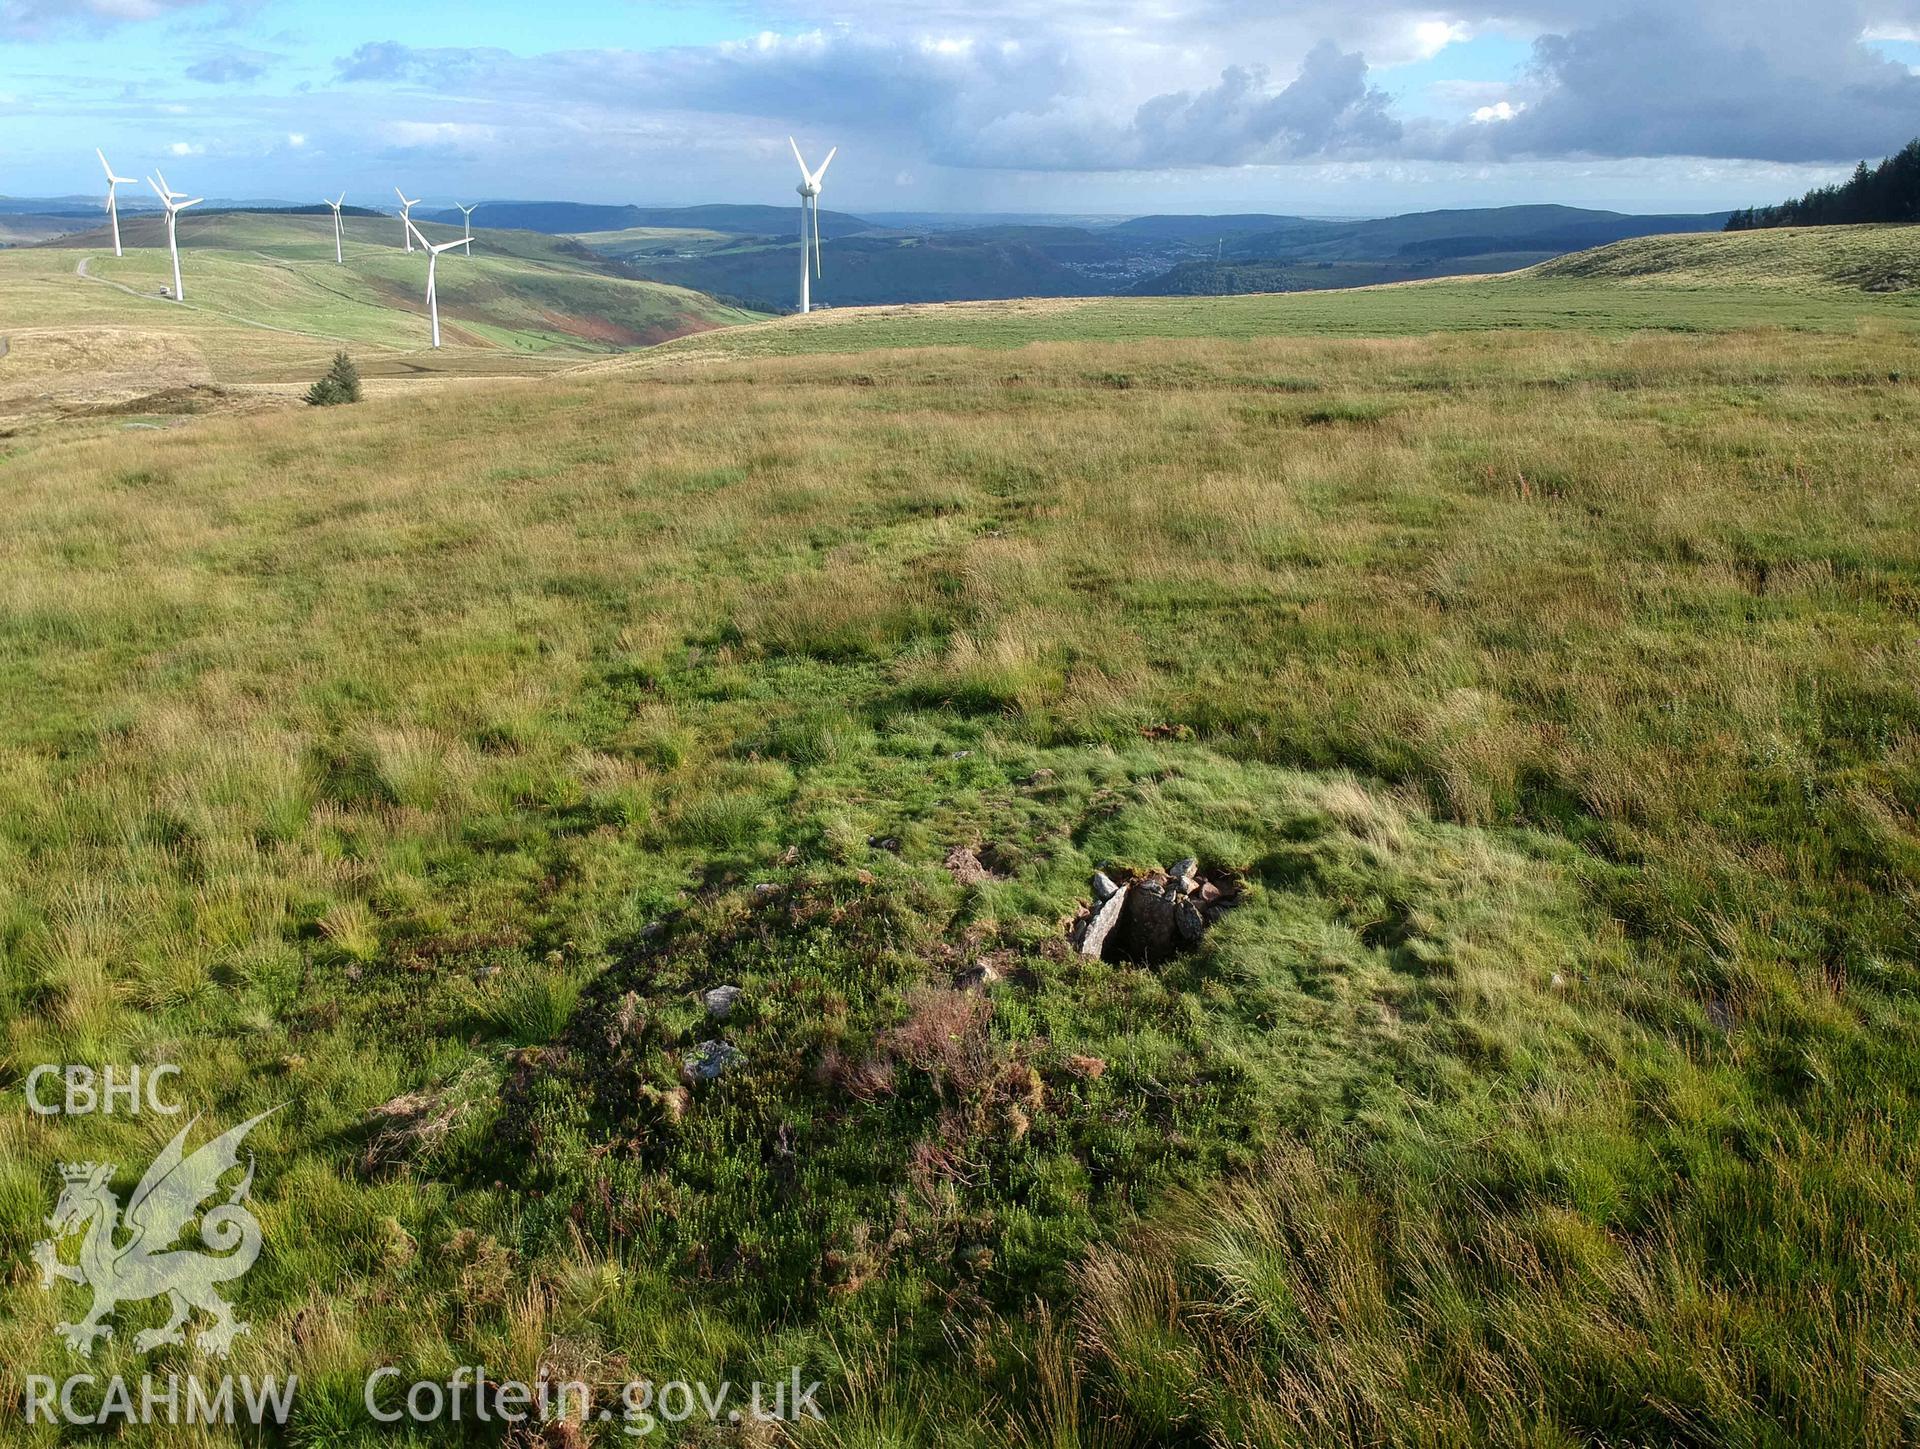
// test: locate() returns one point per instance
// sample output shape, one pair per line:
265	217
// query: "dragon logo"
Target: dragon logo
133	1258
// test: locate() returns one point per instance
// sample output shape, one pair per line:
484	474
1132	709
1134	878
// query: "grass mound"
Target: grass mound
921	1092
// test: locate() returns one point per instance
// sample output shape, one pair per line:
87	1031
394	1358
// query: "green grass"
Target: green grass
1552	692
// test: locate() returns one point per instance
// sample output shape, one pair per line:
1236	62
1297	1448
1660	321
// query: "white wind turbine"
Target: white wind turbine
338	260
171	199
809	200
433	264
406	214
467	212
113	201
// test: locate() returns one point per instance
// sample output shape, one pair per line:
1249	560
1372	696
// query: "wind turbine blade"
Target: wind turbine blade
821	174
103	162
183	205
402	195
417	232
165	199
801	159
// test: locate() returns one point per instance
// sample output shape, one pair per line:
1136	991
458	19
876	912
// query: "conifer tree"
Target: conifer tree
340	385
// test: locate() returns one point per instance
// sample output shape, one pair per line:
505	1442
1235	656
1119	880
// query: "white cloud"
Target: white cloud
296	139
1430	37
1499	111
186	148
448	134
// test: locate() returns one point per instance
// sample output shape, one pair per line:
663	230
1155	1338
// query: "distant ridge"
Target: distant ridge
1206	229
1307	255
570	218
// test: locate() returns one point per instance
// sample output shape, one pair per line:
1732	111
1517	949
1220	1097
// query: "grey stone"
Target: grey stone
1184	871
1102	922
710	1059
1189	924
1103	887
720	1001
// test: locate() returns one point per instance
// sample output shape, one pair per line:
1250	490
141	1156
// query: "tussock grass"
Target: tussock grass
1552	691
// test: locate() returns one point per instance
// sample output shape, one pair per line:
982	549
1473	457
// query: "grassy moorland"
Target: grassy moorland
418	764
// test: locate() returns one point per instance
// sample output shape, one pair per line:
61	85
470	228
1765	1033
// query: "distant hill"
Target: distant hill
572	218
1206	230
1428	234
73	206
708	248
1312	256
865	270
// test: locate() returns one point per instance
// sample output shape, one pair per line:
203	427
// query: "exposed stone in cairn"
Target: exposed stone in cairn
1106	916
1153	916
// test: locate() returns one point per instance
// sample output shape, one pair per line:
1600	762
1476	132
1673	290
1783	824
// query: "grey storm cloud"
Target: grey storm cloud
1758	81
1094	85
1327	112
1079	86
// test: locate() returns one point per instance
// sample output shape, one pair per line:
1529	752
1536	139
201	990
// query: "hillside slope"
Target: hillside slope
1804	261
266	302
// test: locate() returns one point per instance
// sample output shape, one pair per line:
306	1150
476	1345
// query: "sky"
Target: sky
1075	107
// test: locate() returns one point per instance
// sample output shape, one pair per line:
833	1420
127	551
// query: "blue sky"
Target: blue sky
1315	106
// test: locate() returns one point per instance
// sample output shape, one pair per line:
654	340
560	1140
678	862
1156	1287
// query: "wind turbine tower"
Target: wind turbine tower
175	204
467	212
433	265
809	189
338	259
406	214
113	201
